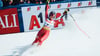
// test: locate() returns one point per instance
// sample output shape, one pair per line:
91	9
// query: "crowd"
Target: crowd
1	4
4	3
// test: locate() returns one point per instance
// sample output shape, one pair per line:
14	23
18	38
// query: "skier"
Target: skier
49	21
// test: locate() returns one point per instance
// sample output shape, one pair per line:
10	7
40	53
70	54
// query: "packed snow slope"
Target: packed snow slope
69	41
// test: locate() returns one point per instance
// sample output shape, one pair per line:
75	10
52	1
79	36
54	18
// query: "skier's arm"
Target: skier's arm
64	14
46	9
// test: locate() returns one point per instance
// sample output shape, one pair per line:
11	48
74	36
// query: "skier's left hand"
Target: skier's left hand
48	1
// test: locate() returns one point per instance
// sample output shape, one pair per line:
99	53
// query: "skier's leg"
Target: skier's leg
36	40
38	36
44	37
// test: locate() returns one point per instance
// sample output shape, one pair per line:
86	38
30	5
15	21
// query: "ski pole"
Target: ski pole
79	27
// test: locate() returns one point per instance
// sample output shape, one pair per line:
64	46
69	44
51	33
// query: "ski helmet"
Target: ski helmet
52	13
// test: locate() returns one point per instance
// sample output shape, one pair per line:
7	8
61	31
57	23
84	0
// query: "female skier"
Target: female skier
45	31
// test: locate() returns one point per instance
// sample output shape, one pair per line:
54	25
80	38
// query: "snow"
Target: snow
69	41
